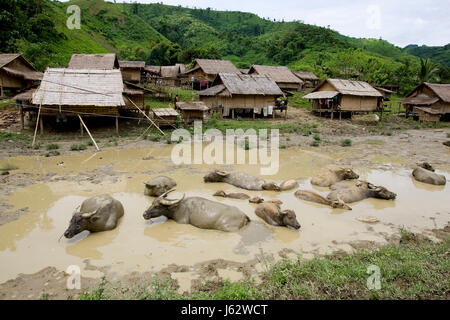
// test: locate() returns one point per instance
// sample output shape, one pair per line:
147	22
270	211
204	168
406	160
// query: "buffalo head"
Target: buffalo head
161	206
339	204
349	174
215	176
290	219
381	192
80	222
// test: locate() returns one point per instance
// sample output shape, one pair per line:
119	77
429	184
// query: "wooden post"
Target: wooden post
81	129
340	115
232	114
285	116
22	121
148	118
117	125
41	124
89	133
332	114
254	114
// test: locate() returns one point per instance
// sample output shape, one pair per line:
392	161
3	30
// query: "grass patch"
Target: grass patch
8	167
317	137
78	147
5	135
346	142
52	146
315	143
412	269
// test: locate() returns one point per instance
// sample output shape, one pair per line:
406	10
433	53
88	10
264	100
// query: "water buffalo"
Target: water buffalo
199	212
330	177
426	166
429	177
241	180
360	191
271	213
238	196
316	198
158	186
100	213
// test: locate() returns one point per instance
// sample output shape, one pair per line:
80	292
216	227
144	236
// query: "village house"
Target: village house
94	61
79	92
338	95
283	76
132	70
205	71
310	79
16	74
429	101
234	93
192	110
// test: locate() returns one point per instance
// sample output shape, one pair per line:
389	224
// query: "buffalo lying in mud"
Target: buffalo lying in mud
97	214
330	177
158	186
271	213
199	212
429	177
238	196
317	198
243	181
360	191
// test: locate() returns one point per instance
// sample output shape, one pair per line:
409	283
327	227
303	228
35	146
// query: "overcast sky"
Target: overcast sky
398	21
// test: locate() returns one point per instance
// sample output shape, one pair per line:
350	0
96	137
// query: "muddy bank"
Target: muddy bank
37	200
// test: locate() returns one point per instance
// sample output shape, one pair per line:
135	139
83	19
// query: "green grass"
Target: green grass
52	146
315	143
5	135
346	142
412	269
78	147
257	125
8	167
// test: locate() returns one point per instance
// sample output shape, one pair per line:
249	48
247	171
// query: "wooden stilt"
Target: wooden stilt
148	118
81	129
232	114
89	133
117	125
285	116
332	114
22	120
340	115
41	124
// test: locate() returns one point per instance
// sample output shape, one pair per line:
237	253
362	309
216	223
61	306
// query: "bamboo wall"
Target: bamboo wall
131	75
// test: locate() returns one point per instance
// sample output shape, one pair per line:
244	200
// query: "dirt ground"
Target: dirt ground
370	149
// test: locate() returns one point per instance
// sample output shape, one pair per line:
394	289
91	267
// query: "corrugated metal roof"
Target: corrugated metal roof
321	95
72	87
350	87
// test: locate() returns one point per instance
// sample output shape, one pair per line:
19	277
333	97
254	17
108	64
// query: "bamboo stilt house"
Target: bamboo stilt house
16	73
338	95
309	79
73	92
234	93
205	71
428	101
283	76
132	70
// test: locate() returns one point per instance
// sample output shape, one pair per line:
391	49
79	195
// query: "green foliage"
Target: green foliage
346	142
438	54
52	146
78	147
97	294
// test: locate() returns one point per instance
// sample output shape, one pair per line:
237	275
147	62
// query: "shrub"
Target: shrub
317	137
52	146
315	143
346	143
78	147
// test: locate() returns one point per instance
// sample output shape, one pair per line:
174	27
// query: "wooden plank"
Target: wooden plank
145	115
89	133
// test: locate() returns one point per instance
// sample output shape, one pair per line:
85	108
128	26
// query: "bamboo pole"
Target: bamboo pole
148	118
37	124
89	133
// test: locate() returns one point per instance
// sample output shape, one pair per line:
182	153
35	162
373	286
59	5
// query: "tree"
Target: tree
428	70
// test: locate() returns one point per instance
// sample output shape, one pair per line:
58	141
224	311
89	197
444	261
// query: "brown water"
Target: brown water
31	243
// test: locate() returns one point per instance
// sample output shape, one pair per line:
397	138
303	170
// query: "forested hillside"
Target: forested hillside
438	54
161	34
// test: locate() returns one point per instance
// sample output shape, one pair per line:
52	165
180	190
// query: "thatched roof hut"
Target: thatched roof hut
239	91
94	61
132	70
16	73
192	110
345	95
72	90
283	76
309	78
205	71
429	96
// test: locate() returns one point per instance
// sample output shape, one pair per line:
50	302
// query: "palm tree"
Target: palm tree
428	70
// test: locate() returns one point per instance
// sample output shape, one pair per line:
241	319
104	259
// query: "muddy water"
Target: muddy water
31	243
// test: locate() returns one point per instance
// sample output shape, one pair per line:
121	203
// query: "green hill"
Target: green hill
162	34
438	54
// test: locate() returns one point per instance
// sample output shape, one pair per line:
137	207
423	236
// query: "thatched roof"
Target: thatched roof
94	61
25	95
442	92
192	106
132	64
182	67
242	84
26	71
171	72
244	71
429	110
132	89
277	73
72	87
350	87
153	69
321	95
305	76
214	66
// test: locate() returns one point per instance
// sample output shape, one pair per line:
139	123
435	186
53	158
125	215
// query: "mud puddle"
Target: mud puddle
30	243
